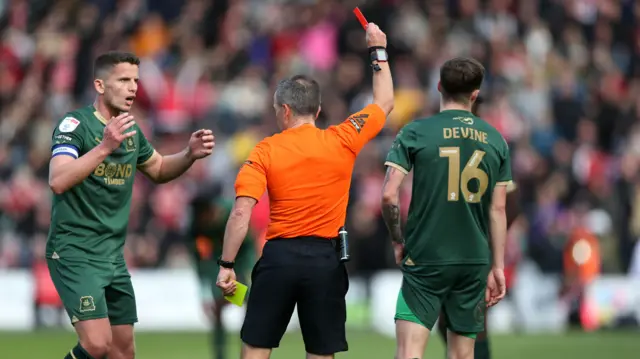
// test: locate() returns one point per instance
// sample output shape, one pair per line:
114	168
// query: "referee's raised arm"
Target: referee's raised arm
364	125
307	173
382	82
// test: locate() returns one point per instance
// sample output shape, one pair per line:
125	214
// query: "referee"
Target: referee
307	173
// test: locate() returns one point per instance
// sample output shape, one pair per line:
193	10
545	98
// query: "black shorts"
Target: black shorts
303	271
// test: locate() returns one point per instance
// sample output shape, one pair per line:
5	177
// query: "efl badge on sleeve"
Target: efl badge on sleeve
68	124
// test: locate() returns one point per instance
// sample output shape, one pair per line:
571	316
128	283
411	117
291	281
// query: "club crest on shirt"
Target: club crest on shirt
87	304
68	124
129	144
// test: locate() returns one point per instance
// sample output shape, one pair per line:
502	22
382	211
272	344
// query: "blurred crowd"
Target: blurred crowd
562	86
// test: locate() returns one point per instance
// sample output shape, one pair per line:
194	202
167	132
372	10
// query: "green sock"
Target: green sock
481	350
219	340
78	352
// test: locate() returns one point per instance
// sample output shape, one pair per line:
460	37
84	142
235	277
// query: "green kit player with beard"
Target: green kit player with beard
210	214
95	154
450	259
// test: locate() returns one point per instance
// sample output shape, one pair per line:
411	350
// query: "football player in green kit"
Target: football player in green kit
209	219
95	154
449	258
482	347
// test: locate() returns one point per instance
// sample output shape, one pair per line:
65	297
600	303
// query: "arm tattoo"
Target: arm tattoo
391	215
391	211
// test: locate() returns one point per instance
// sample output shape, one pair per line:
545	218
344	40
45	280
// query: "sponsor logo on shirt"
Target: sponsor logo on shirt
358	121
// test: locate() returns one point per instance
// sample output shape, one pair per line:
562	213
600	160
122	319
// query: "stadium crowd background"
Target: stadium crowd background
562	85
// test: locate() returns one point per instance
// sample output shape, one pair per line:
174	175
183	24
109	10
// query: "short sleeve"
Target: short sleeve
252	178
68	138
361	127
146	150
399	155
504	173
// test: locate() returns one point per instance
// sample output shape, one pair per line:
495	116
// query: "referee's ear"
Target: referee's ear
318	112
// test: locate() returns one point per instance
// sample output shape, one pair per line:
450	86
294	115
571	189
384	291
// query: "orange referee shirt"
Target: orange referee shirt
307	173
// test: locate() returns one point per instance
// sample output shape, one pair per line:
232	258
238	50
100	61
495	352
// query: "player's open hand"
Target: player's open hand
115	131
375	36
226	281
201	144
496	287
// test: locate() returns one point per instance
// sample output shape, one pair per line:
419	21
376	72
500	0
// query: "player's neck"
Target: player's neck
104	110
455	106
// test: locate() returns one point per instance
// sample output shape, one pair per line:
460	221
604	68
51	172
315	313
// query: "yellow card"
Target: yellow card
237	298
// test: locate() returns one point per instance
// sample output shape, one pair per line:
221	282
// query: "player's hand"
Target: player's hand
114	131
398	252
226	281
496	287
375	36
200	144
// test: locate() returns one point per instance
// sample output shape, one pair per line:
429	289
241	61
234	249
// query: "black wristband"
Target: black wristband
226	264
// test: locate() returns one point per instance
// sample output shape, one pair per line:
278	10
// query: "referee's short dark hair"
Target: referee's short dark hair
301	93
459	77
108	60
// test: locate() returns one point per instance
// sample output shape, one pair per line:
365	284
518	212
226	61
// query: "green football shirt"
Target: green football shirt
457	159
89	221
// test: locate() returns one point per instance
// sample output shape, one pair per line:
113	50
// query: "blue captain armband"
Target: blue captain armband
64	149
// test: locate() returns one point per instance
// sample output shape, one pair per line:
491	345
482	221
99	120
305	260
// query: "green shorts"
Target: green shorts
456	290
94	290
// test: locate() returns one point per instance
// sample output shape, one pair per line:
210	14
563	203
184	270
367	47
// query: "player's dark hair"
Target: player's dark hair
301	93
107	61
459	77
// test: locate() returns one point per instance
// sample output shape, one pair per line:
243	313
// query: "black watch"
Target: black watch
225	264
378	53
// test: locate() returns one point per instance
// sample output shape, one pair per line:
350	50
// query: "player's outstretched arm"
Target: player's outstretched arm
163	169
66	169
